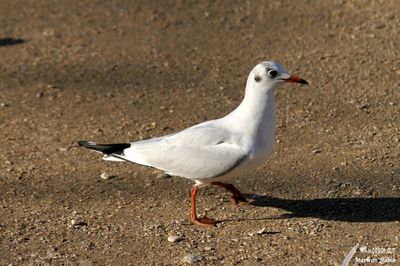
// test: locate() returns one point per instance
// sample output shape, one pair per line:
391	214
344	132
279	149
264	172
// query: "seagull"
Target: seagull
215	150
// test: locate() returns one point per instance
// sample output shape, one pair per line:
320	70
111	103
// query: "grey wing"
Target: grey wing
202	151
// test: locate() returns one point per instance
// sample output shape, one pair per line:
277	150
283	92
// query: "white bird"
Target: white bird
215	150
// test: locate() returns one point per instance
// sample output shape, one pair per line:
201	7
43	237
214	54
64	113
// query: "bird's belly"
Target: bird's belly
259	156
255	159
256	156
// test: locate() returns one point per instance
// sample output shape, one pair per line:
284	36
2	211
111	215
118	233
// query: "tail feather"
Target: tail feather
107	149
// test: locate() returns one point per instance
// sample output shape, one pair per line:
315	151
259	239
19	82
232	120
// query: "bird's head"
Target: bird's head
268	75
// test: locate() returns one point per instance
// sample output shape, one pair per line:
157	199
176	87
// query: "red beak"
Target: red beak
296	79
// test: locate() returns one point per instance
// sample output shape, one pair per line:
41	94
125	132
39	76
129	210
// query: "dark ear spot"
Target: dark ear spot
257	78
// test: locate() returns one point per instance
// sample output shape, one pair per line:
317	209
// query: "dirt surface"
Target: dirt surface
113	71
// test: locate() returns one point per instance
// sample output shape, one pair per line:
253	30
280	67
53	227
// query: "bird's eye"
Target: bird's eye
272	73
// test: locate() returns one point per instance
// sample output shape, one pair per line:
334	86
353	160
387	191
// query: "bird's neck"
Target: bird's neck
256	115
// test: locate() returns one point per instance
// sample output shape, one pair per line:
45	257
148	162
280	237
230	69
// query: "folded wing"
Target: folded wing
202	151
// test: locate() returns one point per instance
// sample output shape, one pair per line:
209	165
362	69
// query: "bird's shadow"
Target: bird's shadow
10	41
337	209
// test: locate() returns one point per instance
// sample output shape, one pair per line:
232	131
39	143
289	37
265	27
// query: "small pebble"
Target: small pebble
78	222
191	259
105	176
363	106
262	231
175	238
39	95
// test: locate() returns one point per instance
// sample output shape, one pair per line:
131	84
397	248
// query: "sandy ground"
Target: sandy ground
113	71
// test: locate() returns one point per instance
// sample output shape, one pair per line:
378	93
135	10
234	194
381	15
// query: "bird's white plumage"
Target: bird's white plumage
219	148
203	151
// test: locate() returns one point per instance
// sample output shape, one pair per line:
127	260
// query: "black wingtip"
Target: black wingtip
11	41
85	143
302	81
104	148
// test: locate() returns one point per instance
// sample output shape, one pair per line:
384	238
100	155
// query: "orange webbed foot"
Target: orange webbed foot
203	221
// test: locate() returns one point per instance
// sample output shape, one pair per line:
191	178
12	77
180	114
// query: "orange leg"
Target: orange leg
236	196
203	221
